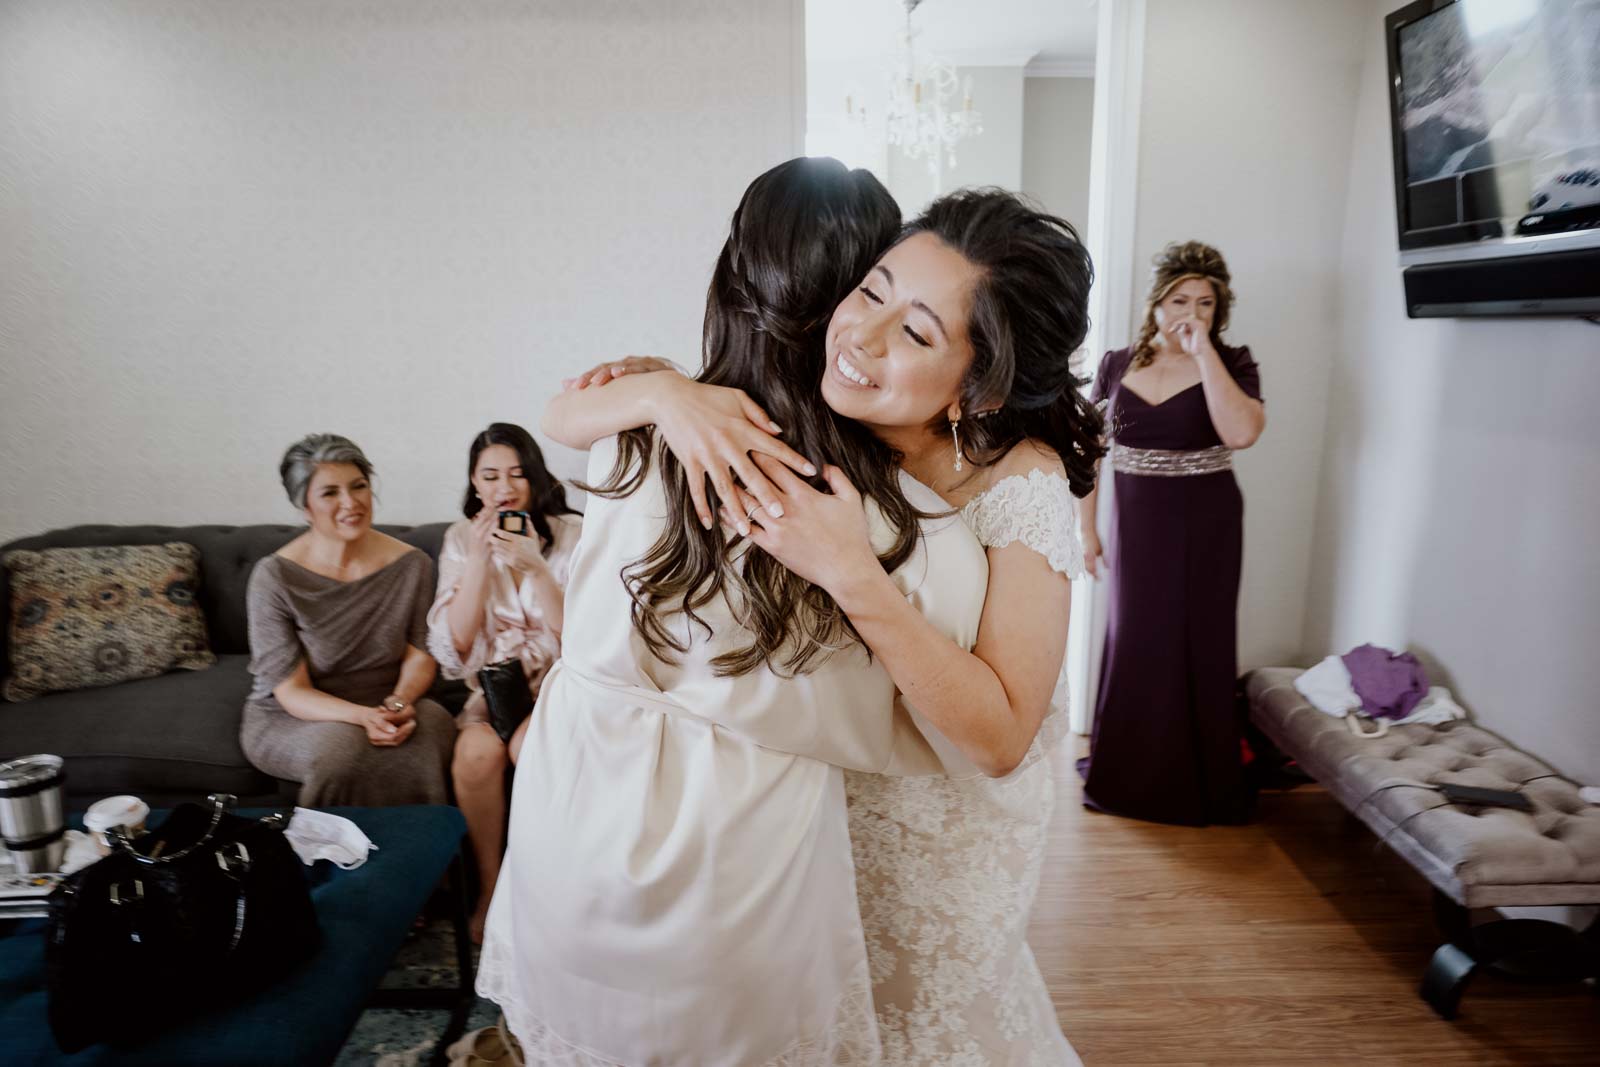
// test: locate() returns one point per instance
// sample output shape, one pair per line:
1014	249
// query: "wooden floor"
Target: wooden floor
1295	940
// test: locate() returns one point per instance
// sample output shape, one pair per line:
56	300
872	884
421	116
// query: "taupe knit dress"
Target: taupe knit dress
353	636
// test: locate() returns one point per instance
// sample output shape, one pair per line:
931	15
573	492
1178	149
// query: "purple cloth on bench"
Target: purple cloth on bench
1389	684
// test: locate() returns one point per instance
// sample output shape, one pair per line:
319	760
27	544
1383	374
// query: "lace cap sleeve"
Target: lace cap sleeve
1039	510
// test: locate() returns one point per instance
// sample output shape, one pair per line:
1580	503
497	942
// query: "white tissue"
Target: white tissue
319	835
1436	708
1327	686
81	851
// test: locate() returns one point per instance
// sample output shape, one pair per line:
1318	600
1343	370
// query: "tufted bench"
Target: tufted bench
1475	857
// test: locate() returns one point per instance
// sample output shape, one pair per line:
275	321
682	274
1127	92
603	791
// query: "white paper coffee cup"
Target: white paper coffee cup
126	811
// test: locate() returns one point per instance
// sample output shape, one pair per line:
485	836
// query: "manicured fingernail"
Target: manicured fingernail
775	509
810	470
705	521
775	427
743	528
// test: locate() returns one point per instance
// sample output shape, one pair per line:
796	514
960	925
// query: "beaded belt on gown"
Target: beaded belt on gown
1170	463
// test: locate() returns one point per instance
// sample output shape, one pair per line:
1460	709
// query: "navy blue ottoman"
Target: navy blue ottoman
304	1019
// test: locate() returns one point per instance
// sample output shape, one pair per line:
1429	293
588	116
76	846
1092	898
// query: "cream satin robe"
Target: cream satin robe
514	625
678	889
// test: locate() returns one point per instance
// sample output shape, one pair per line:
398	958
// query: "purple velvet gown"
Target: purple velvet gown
1166	734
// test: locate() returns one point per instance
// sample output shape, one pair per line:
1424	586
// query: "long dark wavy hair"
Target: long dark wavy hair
1175	264
546	495
803	236
1029	314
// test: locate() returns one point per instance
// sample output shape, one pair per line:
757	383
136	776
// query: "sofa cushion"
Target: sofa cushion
85	617
227	554
175	734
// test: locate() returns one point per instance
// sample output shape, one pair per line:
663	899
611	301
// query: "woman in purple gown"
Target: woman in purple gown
1178	404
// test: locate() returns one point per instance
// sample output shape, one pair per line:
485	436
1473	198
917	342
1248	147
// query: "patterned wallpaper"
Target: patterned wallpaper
226	223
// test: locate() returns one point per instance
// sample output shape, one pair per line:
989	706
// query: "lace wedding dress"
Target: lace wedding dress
947	868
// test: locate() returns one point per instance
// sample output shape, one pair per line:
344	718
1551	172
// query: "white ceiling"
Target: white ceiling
967	32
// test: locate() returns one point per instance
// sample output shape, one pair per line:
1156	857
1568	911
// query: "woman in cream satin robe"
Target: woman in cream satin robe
679	887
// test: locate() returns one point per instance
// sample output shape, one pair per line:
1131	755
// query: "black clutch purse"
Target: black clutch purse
204	908
505	690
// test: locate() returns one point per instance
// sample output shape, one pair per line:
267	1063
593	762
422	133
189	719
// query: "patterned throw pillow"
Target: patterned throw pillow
83	617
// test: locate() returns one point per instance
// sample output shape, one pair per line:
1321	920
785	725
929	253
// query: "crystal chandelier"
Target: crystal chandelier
929	108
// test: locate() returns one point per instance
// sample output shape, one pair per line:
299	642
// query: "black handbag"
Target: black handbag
505	690
204	908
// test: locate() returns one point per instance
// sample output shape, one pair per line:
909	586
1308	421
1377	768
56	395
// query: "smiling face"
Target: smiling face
499	481
898	347
1190	298
339	501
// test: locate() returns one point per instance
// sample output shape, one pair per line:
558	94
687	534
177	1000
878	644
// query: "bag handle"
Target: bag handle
118	837
1351	721
233	866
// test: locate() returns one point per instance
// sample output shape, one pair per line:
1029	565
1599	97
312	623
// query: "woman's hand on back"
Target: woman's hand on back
713	430
719	433
822	537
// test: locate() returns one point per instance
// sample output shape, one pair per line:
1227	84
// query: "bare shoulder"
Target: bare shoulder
1027	456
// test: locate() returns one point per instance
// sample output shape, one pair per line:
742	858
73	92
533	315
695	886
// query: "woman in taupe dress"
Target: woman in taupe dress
338	628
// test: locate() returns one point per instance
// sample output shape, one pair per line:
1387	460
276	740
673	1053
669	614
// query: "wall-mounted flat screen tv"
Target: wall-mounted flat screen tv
1495	110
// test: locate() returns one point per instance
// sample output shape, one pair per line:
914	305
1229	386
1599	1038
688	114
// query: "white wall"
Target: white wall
1460	491
1058	119
224	224
1243	143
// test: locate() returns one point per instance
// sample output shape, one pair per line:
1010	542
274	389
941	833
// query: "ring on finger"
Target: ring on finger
752	512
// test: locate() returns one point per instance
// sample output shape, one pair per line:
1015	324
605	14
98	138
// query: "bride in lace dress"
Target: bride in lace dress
986	412
947	868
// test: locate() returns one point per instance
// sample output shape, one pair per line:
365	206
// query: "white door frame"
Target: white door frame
1113	195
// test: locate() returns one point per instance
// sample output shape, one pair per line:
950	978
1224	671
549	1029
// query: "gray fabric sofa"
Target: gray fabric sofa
174	737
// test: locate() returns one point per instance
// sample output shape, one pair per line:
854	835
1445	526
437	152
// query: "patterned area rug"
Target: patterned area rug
403	1037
